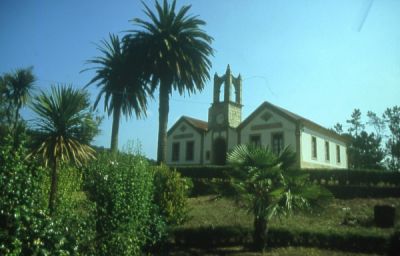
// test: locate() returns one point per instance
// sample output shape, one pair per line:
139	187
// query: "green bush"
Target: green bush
25	226
73	209
171	191
122	188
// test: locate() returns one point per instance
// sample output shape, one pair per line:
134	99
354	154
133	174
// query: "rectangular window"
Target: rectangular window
208	155
327	154
175	151
338	153
277	143
313	147
255	140
189	151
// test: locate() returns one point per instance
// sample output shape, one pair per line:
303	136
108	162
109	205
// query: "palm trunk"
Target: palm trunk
260	233
163	123
16	118
15	135
115	128
53	186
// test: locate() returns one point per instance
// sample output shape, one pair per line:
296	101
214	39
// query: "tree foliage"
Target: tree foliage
15	92
355	122
121	84
392	118
174	53
369	150
365	151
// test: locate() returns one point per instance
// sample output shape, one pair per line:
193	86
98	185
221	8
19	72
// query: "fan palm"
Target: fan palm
62	117
123	89
175	53
267	187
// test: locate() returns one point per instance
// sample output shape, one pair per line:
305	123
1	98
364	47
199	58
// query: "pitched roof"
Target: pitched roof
299	120
199	125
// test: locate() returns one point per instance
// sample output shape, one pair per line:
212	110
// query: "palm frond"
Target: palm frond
62	116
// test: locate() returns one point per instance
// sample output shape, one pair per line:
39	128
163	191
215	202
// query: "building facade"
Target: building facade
195	142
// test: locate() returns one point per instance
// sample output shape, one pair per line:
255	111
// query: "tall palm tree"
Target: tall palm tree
264	184
123	88
62	117
19	85
175	52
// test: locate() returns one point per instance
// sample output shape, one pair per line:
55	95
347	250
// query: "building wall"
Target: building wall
182	134
232	139
307	161
266	127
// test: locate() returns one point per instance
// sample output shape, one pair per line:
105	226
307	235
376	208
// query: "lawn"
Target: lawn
240	251
353	216
215	211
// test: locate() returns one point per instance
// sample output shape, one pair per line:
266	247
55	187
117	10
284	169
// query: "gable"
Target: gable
185	128
265	117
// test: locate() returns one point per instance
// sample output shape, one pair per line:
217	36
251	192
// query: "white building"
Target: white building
194	142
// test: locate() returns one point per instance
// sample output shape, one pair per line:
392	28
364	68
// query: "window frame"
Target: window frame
191	154
327	151
338	157
314	147
273	135
176	147
255	135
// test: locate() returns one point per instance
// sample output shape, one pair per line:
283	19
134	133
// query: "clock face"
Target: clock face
220	118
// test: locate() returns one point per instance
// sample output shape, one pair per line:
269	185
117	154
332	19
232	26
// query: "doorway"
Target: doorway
219	151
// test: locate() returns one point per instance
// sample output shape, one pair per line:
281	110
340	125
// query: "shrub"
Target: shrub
122	188
26	228
73	210
171	191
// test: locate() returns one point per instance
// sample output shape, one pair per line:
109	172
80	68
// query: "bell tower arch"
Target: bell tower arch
228	111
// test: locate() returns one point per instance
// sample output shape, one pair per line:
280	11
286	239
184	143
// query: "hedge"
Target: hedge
326	176
278	237
348	192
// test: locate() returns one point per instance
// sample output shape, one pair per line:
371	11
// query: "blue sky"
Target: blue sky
319	59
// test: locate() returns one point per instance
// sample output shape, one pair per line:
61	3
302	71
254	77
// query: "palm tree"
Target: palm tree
62	117
19	85
266	186
175	53
122	87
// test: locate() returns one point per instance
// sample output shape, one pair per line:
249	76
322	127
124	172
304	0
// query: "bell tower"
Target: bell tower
226	111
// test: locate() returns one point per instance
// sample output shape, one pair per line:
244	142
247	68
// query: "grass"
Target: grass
286	251
210	211
353	216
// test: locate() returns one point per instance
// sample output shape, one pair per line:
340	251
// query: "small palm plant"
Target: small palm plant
64	117
265	185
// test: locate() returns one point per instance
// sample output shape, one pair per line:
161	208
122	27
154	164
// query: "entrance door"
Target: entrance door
219	151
